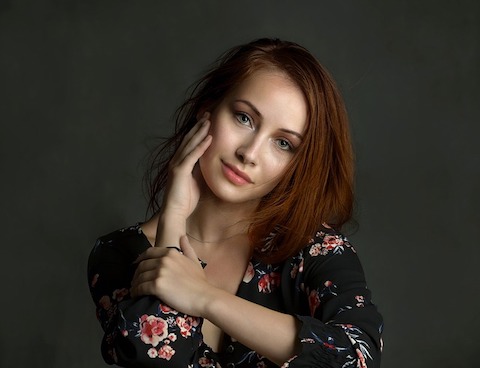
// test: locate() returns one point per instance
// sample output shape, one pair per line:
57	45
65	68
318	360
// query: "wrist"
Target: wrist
211	301
175	211
168	216
170	228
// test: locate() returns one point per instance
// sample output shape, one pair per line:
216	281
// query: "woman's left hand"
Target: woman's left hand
177	279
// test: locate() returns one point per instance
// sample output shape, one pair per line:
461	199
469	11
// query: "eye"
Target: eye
284	145
243	118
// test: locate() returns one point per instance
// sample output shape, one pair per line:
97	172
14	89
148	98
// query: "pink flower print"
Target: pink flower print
313	301
172	337
124	333
118	294
166	352
263	284
152	353
152	329
165	309
261	364
94	280
328	345
361	359
360	301
269	282
315	250
332	241
204	362
249	273
186	324
300	266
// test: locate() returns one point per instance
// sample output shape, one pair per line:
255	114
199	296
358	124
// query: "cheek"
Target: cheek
215	149
276	167
221	130
273	174
222	140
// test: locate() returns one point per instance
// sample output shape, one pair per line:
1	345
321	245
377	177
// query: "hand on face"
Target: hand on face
182	192
176	278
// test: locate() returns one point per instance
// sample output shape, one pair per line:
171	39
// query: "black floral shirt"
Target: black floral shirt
323	285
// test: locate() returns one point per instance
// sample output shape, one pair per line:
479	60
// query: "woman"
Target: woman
242	264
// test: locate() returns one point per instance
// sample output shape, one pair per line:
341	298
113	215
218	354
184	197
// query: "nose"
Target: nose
247	152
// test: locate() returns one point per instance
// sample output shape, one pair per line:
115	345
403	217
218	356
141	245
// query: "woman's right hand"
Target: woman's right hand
182	191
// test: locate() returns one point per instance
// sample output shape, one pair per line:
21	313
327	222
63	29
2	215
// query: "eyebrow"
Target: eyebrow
255	110
299	136
252	106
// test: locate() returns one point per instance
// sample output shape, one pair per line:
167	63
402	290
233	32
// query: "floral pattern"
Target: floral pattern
307	285
152	329
161	330
269	282
330	243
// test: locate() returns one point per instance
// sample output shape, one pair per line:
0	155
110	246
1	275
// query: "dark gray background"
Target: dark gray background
85	86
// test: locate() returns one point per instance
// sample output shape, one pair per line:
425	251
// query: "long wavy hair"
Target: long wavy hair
317	188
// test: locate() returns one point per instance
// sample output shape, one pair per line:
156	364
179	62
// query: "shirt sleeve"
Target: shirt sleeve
340	326
141	332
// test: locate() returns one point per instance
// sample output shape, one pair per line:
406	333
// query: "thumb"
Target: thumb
187	249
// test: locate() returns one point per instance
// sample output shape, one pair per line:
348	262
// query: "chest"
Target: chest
225	270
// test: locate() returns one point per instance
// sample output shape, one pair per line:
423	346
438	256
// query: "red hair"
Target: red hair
317	188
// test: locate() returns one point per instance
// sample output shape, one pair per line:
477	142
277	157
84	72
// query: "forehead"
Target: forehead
276	97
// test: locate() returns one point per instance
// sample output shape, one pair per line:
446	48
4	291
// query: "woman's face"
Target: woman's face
256	131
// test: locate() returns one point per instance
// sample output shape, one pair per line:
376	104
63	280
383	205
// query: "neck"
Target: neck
214	222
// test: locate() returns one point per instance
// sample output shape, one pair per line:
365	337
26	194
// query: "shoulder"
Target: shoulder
328	242
330	251
120	235
125	243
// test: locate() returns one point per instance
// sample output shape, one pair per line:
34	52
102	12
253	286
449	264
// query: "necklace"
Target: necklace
216	241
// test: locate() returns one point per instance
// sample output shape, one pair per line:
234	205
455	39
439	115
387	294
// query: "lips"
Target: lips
235	175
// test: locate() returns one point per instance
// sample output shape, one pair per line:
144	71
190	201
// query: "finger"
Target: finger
191	145
196	128
145	276
152	252
147	265
189	140
154	263
150	259
144	288
193	156
187	249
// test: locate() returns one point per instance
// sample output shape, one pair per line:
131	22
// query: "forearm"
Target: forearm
269	333
170	228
